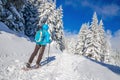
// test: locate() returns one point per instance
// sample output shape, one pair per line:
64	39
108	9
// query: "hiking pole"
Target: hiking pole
48	54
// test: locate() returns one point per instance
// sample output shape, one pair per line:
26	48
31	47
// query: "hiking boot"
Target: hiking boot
28	65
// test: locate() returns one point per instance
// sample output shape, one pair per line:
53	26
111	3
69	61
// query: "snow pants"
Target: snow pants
37	47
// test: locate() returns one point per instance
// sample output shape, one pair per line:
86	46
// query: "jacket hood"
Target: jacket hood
45	27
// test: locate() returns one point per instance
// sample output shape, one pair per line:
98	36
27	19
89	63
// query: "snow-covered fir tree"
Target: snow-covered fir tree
102	41
58	29
10	14
30	15
82	37
93	48
93	42
105	47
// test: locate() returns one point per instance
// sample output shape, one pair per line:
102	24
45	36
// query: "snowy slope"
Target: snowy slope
15	51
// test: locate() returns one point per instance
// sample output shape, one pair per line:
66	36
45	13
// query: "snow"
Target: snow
15	51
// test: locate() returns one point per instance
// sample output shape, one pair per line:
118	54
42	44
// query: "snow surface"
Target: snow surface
15	51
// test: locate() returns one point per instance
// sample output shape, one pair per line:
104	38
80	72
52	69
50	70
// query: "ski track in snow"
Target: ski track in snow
15	51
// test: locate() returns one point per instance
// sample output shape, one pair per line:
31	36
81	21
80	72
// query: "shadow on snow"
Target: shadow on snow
48	60
113	68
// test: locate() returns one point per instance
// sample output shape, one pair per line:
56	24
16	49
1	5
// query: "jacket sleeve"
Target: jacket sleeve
48	40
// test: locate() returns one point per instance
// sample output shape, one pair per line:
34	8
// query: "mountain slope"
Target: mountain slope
15	51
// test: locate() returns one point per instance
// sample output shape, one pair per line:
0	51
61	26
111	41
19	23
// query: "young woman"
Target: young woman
42	38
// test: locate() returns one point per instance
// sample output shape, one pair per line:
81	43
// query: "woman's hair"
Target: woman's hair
44	21
39	27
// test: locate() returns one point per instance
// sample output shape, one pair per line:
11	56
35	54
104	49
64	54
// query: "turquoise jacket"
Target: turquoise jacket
42	36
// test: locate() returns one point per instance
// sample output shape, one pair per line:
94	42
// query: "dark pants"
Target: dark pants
37	47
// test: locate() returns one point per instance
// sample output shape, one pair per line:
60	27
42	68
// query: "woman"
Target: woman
42	37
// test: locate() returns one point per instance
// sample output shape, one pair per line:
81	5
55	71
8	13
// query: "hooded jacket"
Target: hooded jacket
42	36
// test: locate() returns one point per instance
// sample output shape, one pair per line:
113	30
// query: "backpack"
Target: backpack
42	37
38	36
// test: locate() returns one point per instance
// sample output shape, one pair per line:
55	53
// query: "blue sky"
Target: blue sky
77	12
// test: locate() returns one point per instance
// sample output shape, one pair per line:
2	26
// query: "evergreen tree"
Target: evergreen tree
93	49
58	30
10	14
103	43
82	36
30	14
